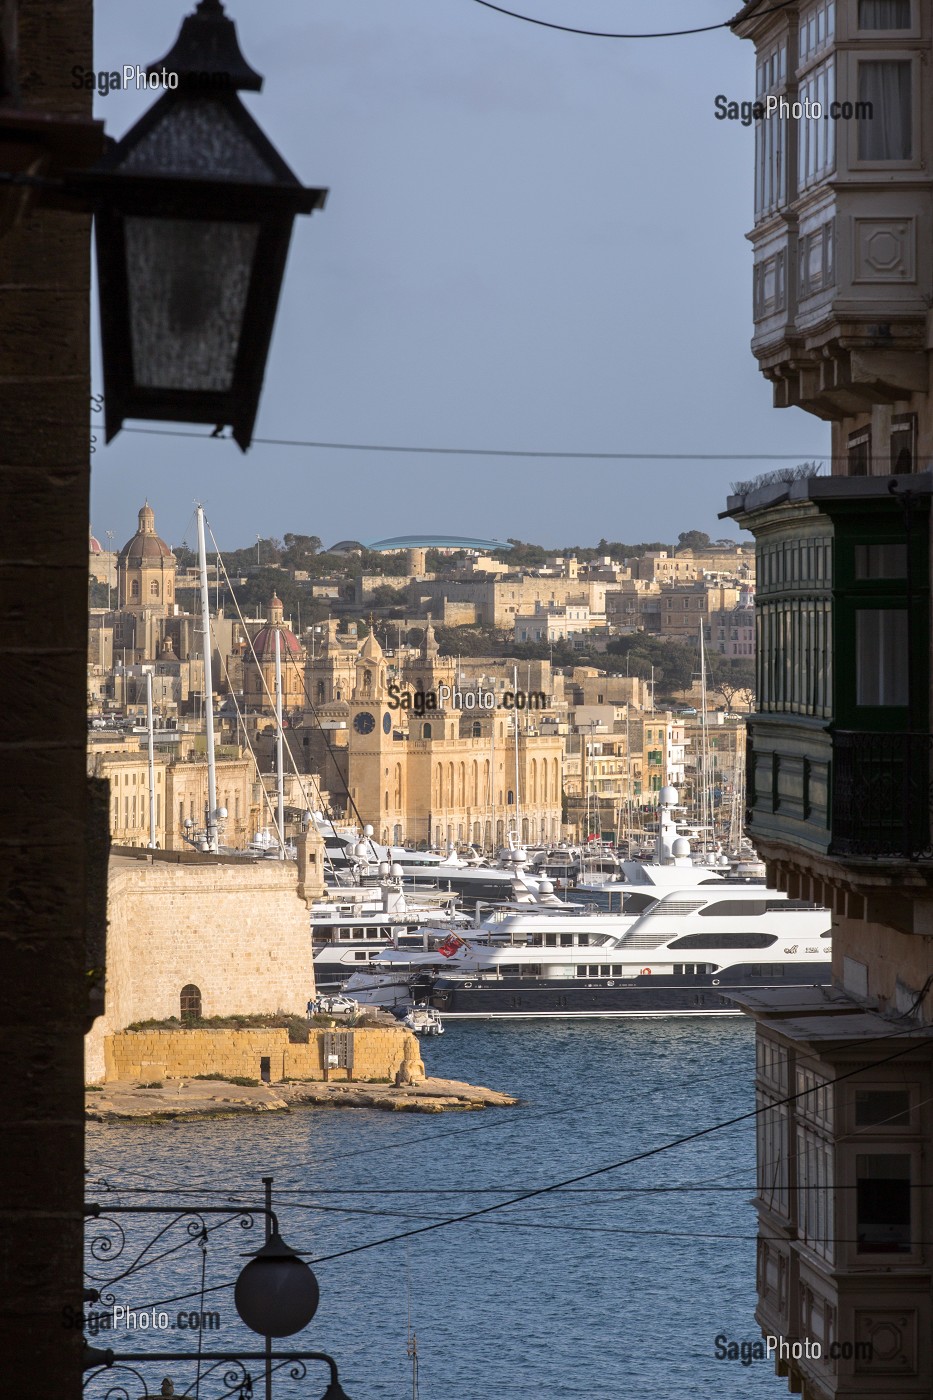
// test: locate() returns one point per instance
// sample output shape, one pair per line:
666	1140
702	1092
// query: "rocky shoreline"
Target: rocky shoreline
127	1101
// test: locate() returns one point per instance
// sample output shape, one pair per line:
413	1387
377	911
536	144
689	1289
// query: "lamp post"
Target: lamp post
275	1295
194	211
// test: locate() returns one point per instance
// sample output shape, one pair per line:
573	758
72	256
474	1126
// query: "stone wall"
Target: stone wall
378	1053
49	837
235	929
896	966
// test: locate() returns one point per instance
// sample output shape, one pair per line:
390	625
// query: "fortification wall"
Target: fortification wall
236	930
376	1052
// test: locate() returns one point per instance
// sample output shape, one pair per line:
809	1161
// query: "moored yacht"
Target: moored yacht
680	955
354	925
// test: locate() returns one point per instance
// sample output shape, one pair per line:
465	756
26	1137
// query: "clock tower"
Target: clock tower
373	753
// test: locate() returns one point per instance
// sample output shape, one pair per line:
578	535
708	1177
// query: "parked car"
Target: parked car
335	1005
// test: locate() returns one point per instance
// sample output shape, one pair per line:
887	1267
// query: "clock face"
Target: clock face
387	723
364	723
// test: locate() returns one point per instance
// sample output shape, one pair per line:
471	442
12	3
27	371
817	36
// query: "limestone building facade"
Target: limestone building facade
839	752
450	774
202	936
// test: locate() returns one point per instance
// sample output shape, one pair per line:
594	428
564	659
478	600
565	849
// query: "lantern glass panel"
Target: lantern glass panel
198	137
188	281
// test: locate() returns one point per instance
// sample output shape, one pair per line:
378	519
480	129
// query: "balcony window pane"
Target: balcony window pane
880	561
884	14
816	146
883	1203
881	656
889	1108
884	133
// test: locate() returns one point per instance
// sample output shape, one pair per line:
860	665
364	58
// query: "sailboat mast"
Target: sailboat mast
279	757
518	815
705	808
211	820
491	787
151	747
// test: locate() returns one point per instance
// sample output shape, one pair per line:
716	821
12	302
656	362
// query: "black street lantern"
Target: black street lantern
276	1294
194	211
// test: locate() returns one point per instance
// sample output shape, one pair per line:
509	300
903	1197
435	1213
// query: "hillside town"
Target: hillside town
548	700
625	818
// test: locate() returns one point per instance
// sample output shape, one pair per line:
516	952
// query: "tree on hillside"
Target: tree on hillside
731	676
299	549
674	662
693	539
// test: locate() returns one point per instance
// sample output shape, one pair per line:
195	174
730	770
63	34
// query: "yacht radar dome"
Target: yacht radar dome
681	847
668	797
367	831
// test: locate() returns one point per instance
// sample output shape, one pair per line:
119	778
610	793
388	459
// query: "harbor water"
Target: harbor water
617	1287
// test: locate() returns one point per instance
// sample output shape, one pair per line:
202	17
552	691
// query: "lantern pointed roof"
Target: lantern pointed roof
371	650
207	50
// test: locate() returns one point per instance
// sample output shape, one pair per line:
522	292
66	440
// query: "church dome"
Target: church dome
264	640
94	545
264	643
145	544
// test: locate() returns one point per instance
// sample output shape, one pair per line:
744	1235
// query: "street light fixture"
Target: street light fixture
276	1294
194	212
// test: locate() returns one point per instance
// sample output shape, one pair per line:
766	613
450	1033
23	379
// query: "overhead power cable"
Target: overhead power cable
480	1212
611	1166
626	1161
601	34
495	451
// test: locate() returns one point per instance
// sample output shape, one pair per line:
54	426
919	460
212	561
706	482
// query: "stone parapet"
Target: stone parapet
377	1053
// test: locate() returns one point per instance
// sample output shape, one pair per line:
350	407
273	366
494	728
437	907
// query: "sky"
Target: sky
533	241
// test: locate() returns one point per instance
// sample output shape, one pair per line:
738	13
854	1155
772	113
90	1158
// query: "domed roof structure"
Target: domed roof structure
145	544
264	640
94	545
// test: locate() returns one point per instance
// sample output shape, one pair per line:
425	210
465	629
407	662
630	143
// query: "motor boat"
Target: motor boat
682	954
423	1020
354	924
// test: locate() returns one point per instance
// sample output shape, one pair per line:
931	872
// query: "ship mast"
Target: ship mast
518	813
210	843
279	758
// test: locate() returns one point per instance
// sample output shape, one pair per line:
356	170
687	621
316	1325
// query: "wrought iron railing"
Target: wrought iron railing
881	795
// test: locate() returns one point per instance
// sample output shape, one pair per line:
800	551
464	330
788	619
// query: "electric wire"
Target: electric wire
600	34
626	1161
483	1211
495	451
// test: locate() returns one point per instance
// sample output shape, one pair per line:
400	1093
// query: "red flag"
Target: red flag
450	945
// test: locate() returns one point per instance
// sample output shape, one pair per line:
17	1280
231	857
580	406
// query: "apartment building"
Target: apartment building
554	622
660	738
839	753
685	608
